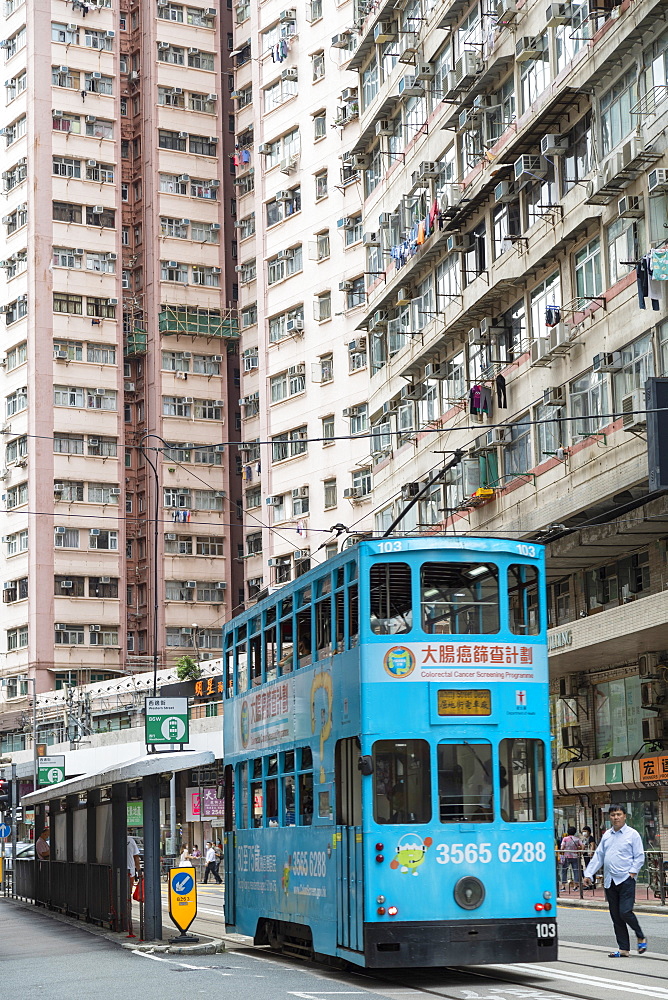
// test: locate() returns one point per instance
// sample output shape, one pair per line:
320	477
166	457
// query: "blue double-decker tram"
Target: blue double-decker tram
386	738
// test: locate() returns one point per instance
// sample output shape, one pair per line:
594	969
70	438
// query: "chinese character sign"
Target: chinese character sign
459	661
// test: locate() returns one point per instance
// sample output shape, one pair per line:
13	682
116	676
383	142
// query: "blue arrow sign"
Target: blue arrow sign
5	831
182	883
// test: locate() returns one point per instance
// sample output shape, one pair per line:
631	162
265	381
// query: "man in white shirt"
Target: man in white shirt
134	860
622	855
210	858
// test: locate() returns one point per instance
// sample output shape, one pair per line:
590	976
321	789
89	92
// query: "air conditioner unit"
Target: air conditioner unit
341	41
288	164
428	168
359	161
466	67
404	296
289	74
499	435
284	196
345	286
95	532
647	665
352	493
634	417
288	15
652	729
554	396
607	362
273	561
97	209
59	487
111	256
652	694
435	370
371	239
553	144
425	71
184	178
96	75
112	302
458	242
170	536
60	355
556	14
657	180
66	584
384	31
294	325
528	167
631	207
60	627
190	584
60	529
527	48
384	127
78	252
347	222
162	46
540	352
110	33
91	119
560	339
274	501
571	737
410	87
115	492
378	320
193	50
349	94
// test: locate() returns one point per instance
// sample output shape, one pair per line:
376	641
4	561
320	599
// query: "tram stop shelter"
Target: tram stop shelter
86	874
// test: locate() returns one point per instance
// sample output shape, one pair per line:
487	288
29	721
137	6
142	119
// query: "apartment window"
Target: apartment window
98	84
353	231
16	401
588	401
171	12
171	54
279	210
66	212
17	496
106	219
534	76
66	166
68	586
544	297
319	125
67	538
201	102
209	545
202	60
17	638
506	223
71	635
172	140
289	445
175	406
359	419
68	444
101	493
16	356
100	538
208	500
616	119
322	245
171	270
318	66
361	481
100	636
579	158
207	276
356	295
100	129
300	501
321	185
202	145
253	498
357	355
517	453
207	409
102	447
327	429
624	239
370	83
637	366
69	491
588	281
204	232
100	308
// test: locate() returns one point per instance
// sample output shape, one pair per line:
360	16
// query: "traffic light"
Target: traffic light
5	795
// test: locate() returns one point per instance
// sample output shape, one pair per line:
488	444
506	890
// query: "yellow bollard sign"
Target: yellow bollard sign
182	897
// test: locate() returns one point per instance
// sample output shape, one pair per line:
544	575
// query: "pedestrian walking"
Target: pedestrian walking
588	844
185	858
570	847
210	858
622	855
218	848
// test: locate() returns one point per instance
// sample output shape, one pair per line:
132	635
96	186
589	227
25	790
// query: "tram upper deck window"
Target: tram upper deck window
390	598
460	598
402	781
522	780
465	782
524	617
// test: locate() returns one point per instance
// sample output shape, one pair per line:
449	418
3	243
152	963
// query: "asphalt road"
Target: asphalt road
43	957
594	927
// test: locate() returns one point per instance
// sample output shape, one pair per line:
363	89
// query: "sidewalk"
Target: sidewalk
594	899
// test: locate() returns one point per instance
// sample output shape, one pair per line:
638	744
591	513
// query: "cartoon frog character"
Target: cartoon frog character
285	879
411	850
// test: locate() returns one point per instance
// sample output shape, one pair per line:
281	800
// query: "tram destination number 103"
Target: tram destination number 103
457	854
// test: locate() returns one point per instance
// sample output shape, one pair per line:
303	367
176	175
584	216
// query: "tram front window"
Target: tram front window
460	598
402	782
465	782
390	598
522	780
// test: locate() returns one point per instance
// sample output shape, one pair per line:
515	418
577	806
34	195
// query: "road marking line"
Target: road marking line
583	979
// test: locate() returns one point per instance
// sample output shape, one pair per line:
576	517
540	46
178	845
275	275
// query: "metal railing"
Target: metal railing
570	865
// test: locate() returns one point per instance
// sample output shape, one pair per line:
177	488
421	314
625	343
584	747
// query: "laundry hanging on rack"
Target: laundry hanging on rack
501	398
643	284
552	315
659	265
480	399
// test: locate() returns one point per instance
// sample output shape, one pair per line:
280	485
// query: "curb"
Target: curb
600	904
212	947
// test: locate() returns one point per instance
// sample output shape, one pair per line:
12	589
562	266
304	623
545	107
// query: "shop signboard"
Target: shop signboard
654	770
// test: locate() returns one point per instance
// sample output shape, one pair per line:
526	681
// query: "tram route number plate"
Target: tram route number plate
452	702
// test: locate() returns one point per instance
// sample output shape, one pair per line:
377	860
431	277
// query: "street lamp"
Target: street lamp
154	467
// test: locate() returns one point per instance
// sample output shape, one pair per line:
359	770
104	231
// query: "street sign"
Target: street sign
182	897
167	720
136	813
50	770
5	831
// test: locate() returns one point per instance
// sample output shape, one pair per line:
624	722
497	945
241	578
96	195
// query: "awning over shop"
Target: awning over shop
131	770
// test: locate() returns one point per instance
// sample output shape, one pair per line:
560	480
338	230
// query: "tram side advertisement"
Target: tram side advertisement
460	662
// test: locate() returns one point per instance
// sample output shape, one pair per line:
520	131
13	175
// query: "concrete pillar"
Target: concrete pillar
152	897
119	855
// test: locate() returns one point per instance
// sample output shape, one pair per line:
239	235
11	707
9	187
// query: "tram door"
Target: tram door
349	856
230	850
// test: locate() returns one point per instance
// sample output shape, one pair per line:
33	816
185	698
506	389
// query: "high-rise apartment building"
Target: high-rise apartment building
117	302
501	180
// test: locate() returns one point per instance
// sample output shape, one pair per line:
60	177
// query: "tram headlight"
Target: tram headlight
469	892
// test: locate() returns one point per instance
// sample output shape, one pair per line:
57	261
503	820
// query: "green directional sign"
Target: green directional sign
167	720
613	773
50	770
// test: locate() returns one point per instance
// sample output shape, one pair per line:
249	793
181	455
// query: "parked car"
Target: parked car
25	851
